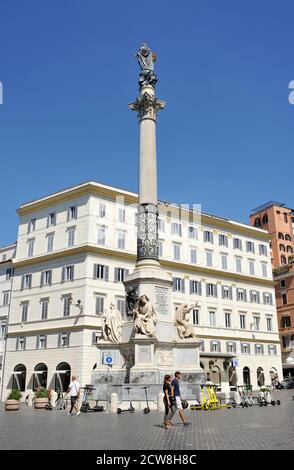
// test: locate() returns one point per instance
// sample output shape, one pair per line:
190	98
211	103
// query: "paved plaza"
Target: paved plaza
270	427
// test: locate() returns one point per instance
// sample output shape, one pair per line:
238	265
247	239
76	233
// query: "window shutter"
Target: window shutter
251	296
263	296
199	288
191	287
126	273
207	290
42	278
258	297
94	337
59	340
223	292
106	273
95	271
63	274
245	295
115	274
231	293
211	346
215	290
183	285
219	239
72	273
22	282
218	346
174	284
271	299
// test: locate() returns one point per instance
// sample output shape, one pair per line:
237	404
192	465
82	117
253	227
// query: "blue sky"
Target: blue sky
225	139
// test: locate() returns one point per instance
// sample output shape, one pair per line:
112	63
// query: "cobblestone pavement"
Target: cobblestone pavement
270	427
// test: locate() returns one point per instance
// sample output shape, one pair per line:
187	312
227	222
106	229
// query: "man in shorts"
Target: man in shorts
74	391
176	394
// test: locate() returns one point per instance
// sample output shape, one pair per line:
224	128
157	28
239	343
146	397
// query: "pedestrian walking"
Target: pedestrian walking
74	391
169	407
176	395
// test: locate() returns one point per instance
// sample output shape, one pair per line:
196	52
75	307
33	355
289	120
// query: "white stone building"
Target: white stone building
6	274
74	249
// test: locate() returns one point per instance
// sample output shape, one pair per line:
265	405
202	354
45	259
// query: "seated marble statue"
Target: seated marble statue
112	324
144	317
185	328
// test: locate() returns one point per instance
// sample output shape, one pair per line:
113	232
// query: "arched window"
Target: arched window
283	259
246	376
265	219
40	376
260	377
289	249
282	247
257	222
288	237
216	375
19	377
281	236
62	376
233	377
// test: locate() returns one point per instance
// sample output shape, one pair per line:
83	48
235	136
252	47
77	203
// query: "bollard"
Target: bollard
113	402
160	404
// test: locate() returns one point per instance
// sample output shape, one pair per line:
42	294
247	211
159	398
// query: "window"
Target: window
228	320
267	298
259	349
177	251
44	309
209	261
250	247
245	348
121	215
6	296
224	261
195	316
71	232
243	322
237	243
238	261
26	281
20	343
282	247
257	222
208	236
41	341
32	225
215	346
160	248
2	330
121	305
280	236
72	213
195	287
272	350
264	269
251	266
99	304
24	312
241	295
192	232
231	347
67	301
283	259
63	340
193	255
256	323
288	237
265	219
9	273
227	292
101	235
46	277
286	321
285	217
67	273
223	240
51	219
212	318
120	274
31	245
161	225
263	250
283	283
254	297
176	229
269	324
284	299
102	210
121	240
178	284
289	249
211	290
50	242
201	347
101	272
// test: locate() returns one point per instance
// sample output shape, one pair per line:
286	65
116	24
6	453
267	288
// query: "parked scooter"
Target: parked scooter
130	409
147	409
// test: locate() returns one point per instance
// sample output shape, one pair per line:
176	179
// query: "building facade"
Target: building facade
7	253
278	220
74	250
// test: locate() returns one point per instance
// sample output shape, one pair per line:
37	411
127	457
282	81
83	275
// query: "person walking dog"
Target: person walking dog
169	407
176	395
74	391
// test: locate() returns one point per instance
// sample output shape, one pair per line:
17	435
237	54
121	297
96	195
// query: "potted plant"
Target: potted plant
41	399
12	403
